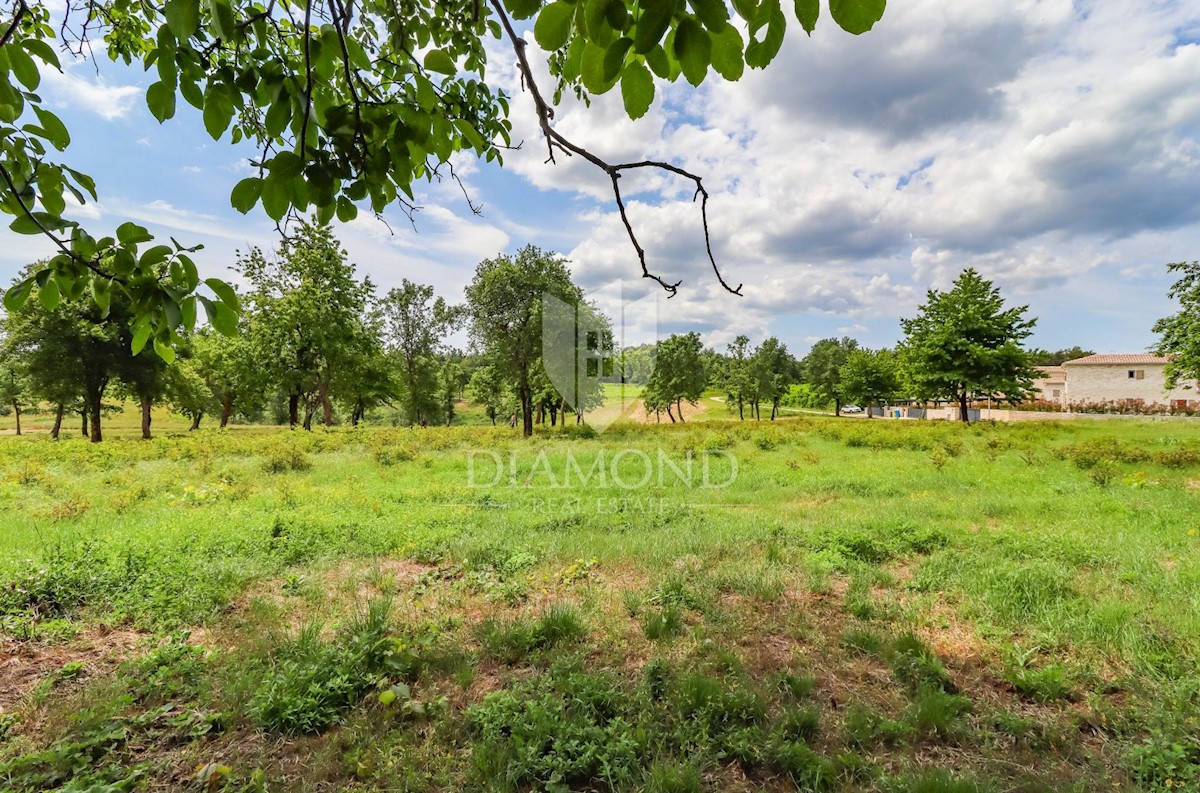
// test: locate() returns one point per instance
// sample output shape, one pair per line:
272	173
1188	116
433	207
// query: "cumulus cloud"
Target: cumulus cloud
1035	140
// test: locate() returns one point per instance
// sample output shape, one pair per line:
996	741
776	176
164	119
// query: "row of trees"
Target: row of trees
313	342
316	342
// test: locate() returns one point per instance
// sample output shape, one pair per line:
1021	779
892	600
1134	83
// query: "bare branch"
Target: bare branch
59	243
19	14
555	140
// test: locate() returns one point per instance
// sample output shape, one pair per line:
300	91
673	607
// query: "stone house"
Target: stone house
1117	378
1051	386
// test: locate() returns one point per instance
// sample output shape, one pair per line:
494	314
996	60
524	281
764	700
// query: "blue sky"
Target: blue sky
1055	146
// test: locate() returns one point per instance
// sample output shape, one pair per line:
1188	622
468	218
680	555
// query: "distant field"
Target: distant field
847	605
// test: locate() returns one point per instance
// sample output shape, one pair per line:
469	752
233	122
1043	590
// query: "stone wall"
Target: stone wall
1111	382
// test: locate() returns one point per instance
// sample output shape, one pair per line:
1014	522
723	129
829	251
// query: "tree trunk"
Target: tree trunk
58	417
196	421
670	415
146	418
93	406
741	411
309	410
526	405
837	406
963	406
326	404
17	413
83	414
226	409
679	408
293	410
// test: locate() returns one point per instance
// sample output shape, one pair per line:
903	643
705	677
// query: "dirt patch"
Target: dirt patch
23	665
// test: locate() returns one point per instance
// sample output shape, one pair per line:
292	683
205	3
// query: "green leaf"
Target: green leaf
807	12
693	48
49	295
553	26
221	19
56	131
637	89
188	310
246	194
275	197
439	61
523	9
224	292
160	98
152	256
183	17
43	51
712	13
164	348
17	294
594	70
25	225
218	109
24	68
652	24
727	56
102	294
132	234
761	53
856	16
141	335
222	317
658	62
614	59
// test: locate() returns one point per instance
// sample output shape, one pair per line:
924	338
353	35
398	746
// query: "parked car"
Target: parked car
851	409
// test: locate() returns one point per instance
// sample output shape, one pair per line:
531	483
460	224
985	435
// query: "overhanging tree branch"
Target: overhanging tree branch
555	140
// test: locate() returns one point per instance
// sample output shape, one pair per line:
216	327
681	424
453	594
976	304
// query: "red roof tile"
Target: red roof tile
1137	357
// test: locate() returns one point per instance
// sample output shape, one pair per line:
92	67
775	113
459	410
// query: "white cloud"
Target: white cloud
77	87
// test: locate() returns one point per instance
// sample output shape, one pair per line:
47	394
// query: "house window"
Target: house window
1137	374
1132	374
1057	393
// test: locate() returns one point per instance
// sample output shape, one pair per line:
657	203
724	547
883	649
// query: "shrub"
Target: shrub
566	728
663	624
512	641
284	457
310	683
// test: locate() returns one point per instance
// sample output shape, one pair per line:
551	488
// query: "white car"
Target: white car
851	409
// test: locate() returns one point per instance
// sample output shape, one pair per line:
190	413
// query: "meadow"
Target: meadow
815	604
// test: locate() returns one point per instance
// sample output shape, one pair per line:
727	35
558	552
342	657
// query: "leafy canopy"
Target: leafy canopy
1181	332
965	342
348	103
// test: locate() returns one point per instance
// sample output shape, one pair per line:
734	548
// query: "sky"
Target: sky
1052	145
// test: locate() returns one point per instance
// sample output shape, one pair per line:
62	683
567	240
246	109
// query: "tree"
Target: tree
1039	357
14	388
346	103
306	315
187	390
489	388
144	378
679	375
1181	332
870	377
965	344
505	305
822	368
450	383
739	378
230	368
772	372
414	324
73	352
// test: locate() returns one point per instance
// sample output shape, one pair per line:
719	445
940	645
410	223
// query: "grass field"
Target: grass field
847	605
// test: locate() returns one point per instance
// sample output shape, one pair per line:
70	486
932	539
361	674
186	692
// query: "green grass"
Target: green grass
866	606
